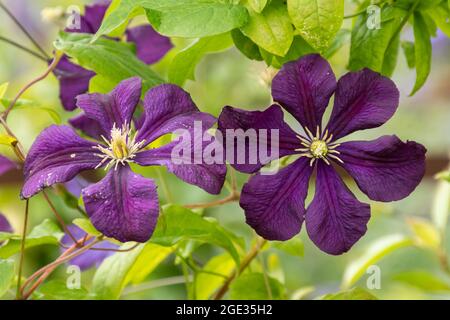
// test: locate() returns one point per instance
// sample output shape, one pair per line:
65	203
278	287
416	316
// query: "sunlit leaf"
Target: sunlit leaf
409	51
246	45
87	226
24	104
317	21
58	290
423	280
3	89
7	140
352	294
425	233
258	5
208	283
375	252
271	29
184	63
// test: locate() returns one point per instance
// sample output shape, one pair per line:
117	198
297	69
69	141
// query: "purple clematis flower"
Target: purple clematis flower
123	205
91	258
74	80
4	225
385	169
6	165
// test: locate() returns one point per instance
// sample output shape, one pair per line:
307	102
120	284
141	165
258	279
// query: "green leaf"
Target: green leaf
208	283
45	233
391	55
271	29
178	18
426	234
254	286
258	5
111	59
409	51
101	84
58	290
184	63
443	175
245	45
122	268
352	294
369	47
317	21
110	278
375	252
423	280
87	226
422	49
6	275
23	104
151	257
298	49
3	89
342	37
441	16
441	206
178	224
294	246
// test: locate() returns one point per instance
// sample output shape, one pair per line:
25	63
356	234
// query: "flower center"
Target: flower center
121	149
318	147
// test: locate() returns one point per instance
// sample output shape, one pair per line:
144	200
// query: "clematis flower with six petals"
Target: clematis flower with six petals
385	169
74	79
123	205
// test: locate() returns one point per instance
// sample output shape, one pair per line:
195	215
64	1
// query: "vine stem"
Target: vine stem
22	249
44	272
363	11
21	47
251	255
24	30
50	68
234	196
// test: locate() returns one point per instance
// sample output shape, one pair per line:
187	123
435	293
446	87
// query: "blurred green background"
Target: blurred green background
229	78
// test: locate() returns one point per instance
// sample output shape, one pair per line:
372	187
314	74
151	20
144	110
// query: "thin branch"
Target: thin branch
22	249
244	264
231	198
21	47
50	68
24	30
58	217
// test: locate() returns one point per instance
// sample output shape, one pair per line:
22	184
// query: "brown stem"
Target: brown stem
232	197
44	272
22	250
50	68
58	217
244	264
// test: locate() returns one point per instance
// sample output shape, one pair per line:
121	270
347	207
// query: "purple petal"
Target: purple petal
386	169
335	219
57	155
4	224
275	205
123	205
87	125
304	88
115	108
6	165
89	258
270	119
363	100
76	185
209	177
150	45
167	108
92	18
73	81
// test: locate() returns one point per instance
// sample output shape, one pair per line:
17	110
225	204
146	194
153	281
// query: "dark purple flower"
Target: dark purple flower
4	225
123	205
74	80
385	169
91	258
